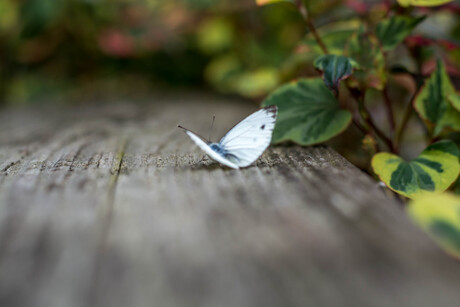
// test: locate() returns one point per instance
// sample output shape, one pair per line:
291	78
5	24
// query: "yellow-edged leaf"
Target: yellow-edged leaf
439	216
436	102
433	171
423	2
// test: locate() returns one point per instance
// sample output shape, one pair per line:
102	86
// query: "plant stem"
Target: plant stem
419	80
359	126
364	130
317	38
364	112
390	115
379	132
303	11
405	120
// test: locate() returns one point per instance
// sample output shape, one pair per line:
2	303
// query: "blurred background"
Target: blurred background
71	50
77	49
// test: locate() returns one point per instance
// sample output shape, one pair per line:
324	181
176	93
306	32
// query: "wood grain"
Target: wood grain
110	205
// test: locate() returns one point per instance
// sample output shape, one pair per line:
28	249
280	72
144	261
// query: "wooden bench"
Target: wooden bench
109	205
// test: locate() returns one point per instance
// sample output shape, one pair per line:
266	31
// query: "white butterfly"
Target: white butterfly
244	143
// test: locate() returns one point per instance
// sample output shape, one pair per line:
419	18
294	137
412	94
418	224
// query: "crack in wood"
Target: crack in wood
107	218
6	168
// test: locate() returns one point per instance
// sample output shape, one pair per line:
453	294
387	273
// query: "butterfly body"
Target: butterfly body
244	143
217	148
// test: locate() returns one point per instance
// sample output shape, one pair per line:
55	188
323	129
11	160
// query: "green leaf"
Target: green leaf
308	49
434	170
335	68
423	2
364	48
334	41
439	216
454	100
308	112
392	31
334	35
264	2
432	101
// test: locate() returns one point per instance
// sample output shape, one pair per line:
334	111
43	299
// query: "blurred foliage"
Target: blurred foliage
50	47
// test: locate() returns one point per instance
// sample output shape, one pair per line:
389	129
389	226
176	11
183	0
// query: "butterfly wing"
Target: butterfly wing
251	137
205	147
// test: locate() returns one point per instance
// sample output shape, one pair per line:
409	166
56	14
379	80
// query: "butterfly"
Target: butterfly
244	143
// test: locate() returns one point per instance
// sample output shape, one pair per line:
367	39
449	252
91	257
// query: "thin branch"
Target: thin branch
363	129
379	132
390	114
364	112
303	11
407	114
359	126
419	80
317	38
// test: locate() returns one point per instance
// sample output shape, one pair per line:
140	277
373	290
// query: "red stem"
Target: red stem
303	11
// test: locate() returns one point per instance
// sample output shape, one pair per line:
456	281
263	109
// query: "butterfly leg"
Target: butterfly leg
203	159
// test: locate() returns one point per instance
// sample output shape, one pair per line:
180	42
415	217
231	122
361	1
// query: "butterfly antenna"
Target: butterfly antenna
212	125
185	129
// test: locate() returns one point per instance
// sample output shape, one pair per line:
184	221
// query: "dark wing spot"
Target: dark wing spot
273	109
262	127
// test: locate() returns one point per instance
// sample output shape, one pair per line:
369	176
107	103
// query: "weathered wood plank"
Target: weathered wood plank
110	206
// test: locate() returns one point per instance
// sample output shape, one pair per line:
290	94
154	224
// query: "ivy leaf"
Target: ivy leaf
392	31
308	112
432	102
434	170
439	216
264	2
334	68
423	2
364	48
